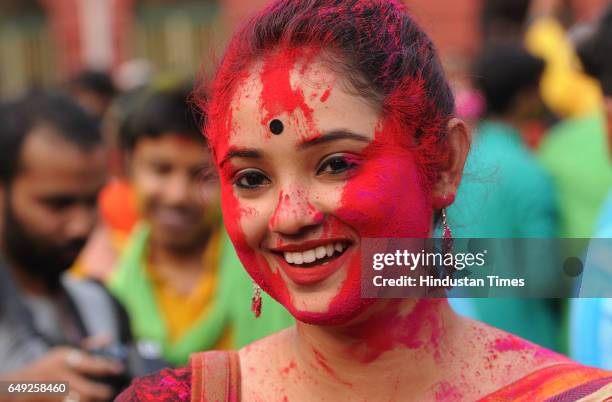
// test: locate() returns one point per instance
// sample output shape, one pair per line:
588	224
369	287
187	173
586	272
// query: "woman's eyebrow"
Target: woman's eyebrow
241	153
333	136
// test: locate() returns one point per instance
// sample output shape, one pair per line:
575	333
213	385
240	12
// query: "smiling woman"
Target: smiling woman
369	147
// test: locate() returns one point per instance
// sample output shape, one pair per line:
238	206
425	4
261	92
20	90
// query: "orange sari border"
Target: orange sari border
558	383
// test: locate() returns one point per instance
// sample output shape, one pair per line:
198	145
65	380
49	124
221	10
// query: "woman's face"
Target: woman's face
298	204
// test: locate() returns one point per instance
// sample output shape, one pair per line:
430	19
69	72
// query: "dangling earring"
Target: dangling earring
447	235
256	300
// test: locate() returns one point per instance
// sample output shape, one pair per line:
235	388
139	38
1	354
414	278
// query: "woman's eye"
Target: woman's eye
336	164
251	179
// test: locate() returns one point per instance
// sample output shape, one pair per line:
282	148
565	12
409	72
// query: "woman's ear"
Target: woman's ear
458	144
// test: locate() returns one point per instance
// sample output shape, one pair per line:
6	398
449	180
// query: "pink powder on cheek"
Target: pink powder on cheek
385	198
388	197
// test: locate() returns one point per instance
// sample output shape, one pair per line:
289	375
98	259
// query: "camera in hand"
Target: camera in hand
126	355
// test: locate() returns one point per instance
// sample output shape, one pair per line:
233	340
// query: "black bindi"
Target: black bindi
276	126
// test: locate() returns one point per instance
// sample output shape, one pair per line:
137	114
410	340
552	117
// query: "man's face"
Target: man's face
177	193
49	208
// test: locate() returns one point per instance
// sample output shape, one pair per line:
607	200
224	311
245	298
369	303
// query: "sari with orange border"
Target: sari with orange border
215	376
564	382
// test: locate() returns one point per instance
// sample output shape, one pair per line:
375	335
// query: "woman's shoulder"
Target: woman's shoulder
268	348
165	385
508	367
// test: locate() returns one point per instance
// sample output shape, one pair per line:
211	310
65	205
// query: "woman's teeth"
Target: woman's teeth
318	253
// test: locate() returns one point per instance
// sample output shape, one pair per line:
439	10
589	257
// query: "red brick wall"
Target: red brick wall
452	24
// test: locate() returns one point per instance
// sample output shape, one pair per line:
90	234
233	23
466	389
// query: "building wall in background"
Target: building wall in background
52	39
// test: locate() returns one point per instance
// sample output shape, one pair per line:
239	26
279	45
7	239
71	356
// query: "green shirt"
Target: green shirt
576	155
231	307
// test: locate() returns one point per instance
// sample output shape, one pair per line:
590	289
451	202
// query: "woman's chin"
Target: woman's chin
334	314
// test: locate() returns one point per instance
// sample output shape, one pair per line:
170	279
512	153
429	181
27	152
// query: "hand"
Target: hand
75	366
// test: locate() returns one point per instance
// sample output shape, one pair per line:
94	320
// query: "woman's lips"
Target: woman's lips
311	272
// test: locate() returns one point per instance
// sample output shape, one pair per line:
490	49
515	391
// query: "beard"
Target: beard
39	257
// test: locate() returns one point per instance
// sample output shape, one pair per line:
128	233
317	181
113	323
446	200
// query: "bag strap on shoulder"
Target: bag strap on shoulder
215	376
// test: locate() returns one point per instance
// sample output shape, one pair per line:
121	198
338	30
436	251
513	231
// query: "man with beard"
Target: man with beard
52	165
178	275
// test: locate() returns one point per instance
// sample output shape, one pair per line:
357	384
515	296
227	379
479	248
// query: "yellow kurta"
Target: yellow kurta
180	311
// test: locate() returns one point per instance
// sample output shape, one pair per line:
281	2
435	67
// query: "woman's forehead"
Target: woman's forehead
303	93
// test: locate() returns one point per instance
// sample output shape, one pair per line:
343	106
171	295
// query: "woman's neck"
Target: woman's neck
363	354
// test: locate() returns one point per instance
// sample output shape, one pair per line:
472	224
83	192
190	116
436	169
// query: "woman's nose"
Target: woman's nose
294	213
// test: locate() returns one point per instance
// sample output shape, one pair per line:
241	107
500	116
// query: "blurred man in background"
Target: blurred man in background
178	275
505	192
52	166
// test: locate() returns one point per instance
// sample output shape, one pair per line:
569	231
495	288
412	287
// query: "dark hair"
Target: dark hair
69	120
503	18
159	113
383	54
501	72
97	82
596	52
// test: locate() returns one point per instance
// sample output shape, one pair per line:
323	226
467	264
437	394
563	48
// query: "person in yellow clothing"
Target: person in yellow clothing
178	274
565	88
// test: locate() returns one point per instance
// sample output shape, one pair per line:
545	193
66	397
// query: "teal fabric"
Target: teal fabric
505	193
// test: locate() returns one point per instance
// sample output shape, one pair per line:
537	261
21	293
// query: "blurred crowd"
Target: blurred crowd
114	260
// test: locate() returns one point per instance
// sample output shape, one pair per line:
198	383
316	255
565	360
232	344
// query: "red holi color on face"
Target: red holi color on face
388	197
283	200
277	96
325	95
295	205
